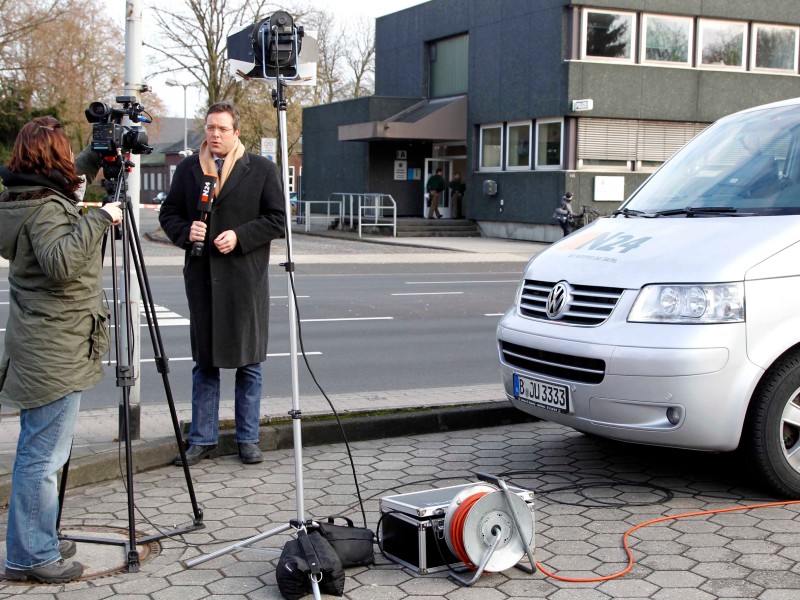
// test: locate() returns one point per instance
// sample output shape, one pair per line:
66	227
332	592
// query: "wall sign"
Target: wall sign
400	167
609	189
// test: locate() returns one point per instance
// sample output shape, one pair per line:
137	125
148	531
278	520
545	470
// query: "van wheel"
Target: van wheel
773	427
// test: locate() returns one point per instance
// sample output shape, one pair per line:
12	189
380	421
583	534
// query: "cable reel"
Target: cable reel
489	528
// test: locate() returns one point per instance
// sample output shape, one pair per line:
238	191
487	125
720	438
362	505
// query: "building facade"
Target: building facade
529	99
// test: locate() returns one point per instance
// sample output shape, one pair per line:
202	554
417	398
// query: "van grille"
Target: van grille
585	304
553	364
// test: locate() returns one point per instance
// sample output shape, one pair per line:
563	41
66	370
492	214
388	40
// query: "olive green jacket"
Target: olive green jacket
57	331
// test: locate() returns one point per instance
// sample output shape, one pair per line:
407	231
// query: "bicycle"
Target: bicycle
586	216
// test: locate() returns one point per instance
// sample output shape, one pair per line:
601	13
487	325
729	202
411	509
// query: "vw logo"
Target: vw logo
557	300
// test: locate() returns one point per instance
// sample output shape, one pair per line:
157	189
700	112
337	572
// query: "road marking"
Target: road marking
428	294
348	319
166	318
285	297
189	358
471	281
494	314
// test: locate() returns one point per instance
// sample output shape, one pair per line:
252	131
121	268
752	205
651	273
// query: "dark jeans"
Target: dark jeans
204	430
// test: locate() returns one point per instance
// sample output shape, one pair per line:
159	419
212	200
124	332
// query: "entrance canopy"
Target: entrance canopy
440	120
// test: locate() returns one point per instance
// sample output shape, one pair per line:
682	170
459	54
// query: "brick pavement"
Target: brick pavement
588	493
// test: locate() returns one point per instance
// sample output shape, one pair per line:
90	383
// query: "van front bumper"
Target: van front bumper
688	388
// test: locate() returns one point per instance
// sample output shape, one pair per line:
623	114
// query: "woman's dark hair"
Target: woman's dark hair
42	148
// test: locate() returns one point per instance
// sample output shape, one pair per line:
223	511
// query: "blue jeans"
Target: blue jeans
45	441
204	430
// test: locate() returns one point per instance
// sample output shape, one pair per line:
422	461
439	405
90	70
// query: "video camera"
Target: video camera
109	136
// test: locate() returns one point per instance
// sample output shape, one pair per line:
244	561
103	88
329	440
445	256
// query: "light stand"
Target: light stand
299	523
125	371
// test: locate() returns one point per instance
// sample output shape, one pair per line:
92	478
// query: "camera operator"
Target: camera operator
56	333
227	285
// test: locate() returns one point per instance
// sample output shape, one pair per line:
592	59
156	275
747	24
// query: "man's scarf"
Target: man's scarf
210	167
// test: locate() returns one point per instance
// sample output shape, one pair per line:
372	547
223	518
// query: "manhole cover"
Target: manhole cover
106	558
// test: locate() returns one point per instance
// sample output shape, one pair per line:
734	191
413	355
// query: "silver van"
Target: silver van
676	321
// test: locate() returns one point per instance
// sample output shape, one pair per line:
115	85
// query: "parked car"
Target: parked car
159	198
676	321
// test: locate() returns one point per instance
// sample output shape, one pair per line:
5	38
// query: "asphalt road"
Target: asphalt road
364	328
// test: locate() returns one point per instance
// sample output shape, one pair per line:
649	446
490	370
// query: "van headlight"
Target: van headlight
694	303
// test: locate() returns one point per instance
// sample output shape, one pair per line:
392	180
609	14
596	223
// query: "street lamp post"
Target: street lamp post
173	83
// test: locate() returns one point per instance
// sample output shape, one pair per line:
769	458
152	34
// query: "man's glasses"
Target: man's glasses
213	128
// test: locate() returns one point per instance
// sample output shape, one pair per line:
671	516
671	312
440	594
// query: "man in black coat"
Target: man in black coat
227	287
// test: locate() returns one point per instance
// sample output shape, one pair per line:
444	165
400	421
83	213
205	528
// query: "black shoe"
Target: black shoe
57	572
250	453
67	548
194	454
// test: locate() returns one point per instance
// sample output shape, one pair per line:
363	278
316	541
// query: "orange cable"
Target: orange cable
651	522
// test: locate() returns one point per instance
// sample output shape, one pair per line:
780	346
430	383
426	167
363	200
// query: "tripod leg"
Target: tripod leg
62	489
162	362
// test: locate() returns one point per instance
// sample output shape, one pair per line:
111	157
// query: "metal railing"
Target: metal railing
368	210
305	215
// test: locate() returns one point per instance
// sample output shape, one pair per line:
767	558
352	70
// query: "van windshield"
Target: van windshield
748	163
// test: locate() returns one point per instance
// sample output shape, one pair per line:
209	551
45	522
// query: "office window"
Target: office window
518	151
608	35
548	144
667	39
160	181
291	178
449	65
491	148
620	143
774	47
721	44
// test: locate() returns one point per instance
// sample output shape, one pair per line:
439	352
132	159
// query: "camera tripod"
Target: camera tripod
116	173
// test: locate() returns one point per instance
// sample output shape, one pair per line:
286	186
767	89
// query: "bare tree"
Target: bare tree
22	19
360	58
65	62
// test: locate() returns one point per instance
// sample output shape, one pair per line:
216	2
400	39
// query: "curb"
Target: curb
277	434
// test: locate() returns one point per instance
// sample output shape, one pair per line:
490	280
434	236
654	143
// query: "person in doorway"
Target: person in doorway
56	334
563	213
227	286
457	189
435	187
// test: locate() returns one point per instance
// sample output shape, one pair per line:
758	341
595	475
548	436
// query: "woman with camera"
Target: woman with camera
56	333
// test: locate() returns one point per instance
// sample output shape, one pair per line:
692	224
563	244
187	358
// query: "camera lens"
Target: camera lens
99	109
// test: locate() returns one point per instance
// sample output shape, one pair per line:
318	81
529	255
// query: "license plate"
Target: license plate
541	393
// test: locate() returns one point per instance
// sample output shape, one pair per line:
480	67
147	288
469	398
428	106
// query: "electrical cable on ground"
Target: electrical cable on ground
631	560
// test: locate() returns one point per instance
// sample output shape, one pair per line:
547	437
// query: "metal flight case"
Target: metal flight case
413	529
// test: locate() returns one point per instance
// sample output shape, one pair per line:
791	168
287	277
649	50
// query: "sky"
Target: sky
345	10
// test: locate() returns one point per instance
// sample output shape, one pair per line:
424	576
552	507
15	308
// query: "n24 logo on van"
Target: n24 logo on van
604	241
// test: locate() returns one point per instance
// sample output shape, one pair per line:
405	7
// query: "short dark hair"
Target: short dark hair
569	194
226	107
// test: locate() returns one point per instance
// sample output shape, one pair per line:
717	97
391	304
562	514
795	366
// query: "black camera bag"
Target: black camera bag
310	555
354	545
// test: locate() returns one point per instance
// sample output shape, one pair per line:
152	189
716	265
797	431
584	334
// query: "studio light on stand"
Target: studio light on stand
275	50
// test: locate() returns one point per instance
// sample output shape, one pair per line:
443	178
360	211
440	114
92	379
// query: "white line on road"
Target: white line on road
494	314
348	319
473	281
188	358
428	294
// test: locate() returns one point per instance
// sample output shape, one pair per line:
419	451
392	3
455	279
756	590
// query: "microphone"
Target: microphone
204	207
